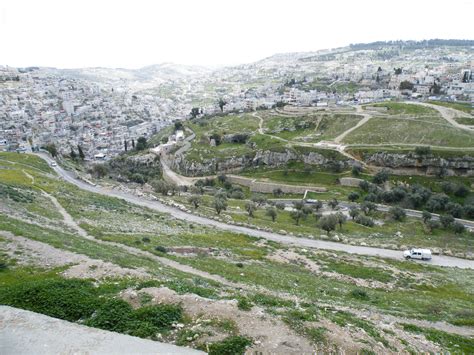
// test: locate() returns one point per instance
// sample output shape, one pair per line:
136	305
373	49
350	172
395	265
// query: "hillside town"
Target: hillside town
40	106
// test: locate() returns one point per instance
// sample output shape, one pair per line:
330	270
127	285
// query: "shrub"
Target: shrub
353	196
359	294
458	227
280	206
68	299
161	249
244	304
146	240
423	150
364	220
234	345
446	220
381	177
397	213
238	195
161	316
461	191
112	315
138	178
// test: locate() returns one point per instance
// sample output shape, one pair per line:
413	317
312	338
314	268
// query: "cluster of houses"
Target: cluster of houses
39	107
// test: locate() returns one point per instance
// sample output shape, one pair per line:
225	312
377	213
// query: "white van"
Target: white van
421	254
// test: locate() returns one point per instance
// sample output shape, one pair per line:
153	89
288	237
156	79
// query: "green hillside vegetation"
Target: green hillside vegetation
392	130
271	283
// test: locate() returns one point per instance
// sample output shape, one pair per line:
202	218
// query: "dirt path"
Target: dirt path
363	121
67	218
27	251
69	221
448	114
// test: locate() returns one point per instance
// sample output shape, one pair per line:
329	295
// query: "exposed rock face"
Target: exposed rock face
412	163
261	158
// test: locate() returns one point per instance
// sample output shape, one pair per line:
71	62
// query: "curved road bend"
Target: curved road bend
284	239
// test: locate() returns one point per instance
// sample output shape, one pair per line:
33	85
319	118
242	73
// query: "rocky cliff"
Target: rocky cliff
430	164
265	158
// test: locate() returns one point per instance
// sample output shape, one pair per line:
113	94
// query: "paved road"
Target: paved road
284	239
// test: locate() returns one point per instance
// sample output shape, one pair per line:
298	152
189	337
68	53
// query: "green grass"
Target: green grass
456	344
397	108
460	106
392	130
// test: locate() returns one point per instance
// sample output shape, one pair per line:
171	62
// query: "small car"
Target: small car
54	163
420	254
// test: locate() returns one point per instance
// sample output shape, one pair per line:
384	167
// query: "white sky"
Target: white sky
135	33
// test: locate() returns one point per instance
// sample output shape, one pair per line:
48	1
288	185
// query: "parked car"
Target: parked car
420	254
54	163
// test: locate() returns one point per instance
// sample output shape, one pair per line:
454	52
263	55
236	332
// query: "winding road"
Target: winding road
284	239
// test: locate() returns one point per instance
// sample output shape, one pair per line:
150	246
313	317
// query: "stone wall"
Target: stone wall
268	187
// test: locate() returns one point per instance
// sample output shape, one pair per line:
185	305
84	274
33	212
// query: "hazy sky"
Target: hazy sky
135	33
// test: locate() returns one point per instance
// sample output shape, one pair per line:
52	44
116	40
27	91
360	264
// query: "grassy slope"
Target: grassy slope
448	294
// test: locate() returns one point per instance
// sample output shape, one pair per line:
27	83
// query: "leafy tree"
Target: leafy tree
397	71
341	219
461	191
397	213
73	154
296	215
81	153
368	207
51	148
272	213
354	212
298	205
423	150
454	209
406	85
356	170
458	227
141	144
195	200
446	220
317	205
280	206
125	145
328	223
259	199
353	196
99	170
469	211
222	178
178	125
162	186
250	207
364	221
194	112
277	192
426	216
333	203
221	104
219	204
364	185
381	177
138	178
